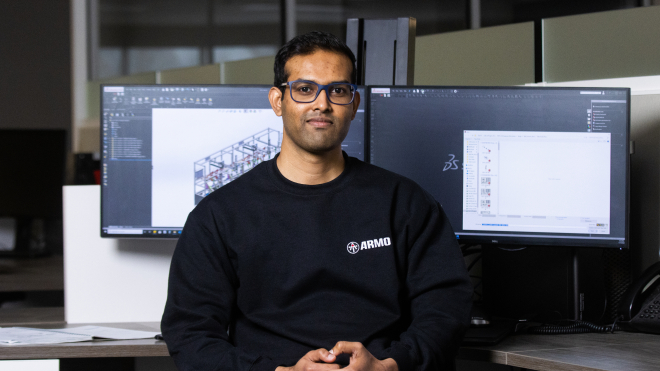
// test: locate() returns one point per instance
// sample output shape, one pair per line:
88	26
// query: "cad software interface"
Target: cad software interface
511	163
166	147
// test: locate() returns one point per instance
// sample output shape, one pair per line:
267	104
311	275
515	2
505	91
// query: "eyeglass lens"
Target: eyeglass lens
306	92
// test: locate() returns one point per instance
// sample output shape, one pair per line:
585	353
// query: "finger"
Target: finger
346	347
320	355
321	367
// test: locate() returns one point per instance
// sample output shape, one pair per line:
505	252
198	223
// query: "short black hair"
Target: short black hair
307	44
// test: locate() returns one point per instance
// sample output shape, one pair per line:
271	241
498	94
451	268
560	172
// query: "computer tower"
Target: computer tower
537	283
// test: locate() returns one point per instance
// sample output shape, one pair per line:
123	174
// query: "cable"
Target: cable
614	326
473	263
471	252
465	248
605	311
507	249
577	327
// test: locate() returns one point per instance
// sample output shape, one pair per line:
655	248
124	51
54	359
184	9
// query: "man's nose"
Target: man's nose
322	102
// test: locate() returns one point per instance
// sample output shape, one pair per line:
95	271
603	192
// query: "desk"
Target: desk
581	352
92	349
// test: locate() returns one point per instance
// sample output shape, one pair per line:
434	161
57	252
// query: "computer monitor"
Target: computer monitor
512	165
166	147
32	173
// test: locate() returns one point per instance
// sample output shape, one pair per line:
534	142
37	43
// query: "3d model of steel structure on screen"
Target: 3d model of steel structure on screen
229	163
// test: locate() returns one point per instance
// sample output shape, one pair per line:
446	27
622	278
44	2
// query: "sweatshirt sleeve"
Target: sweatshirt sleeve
439	292
200	303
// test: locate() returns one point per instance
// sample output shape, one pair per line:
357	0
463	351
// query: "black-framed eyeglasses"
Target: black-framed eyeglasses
303	91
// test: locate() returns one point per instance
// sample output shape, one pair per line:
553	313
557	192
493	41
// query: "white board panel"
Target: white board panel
109	280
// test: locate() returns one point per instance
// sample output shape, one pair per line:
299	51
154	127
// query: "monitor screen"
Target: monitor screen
166	147
514	165
26	154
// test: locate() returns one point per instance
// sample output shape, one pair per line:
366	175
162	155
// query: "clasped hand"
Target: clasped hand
360	359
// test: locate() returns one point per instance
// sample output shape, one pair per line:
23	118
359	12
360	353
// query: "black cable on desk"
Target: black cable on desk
577	327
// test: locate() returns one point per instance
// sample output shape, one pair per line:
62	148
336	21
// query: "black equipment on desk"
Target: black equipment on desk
639	310
491	334
640	307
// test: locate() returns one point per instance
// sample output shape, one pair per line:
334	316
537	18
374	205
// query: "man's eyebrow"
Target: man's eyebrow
341	82
333	82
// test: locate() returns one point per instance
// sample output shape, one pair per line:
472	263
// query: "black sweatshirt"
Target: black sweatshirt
288	268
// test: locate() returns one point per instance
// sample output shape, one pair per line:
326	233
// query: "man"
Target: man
314	255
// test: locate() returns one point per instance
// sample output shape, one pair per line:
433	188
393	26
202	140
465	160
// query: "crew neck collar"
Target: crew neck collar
286	185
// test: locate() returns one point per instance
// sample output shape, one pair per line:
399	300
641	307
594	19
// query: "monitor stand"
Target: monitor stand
578	299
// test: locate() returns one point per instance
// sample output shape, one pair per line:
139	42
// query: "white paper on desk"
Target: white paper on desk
102	332
25	335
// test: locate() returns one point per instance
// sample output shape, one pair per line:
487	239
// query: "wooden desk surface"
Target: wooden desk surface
32	274
92	349
580	352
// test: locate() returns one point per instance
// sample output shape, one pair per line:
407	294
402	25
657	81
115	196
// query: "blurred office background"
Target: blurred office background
43	41
126	37
132	36
146	35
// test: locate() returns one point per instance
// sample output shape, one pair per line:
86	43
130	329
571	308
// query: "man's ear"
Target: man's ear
356	104
275	98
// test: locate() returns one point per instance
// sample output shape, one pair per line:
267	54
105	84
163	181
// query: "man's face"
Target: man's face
319	126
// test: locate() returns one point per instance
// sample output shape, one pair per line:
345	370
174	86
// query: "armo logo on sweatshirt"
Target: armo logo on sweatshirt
354	247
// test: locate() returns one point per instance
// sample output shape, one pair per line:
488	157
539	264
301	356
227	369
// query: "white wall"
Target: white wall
109	280
31	365
641	85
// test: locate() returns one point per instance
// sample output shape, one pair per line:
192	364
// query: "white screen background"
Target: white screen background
181	136
554	179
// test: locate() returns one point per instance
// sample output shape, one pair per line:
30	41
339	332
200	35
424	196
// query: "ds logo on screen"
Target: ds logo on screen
354	247
451	164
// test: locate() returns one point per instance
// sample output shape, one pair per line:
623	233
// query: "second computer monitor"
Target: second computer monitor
537	166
